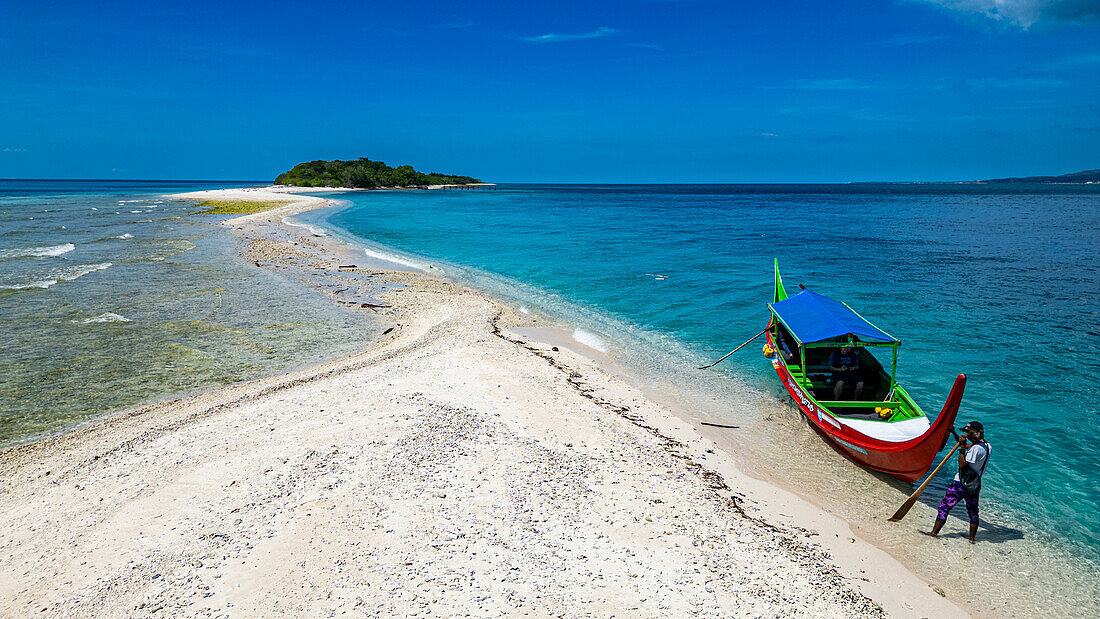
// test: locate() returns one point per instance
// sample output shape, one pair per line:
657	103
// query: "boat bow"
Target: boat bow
910	460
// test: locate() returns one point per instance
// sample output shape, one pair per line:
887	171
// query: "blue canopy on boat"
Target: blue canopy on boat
811	317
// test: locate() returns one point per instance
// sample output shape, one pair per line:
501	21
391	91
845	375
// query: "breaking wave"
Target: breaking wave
392	258
54	276
317	230
590	340
106	317
37	252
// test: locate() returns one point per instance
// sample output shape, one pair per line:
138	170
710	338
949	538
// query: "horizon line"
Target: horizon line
143	180
568	182
263	183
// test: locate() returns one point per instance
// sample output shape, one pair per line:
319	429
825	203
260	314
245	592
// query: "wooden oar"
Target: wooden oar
734	350
908	504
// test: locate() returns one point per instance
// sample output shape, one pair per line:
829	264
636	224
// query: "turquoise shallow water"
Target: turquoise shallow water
999	282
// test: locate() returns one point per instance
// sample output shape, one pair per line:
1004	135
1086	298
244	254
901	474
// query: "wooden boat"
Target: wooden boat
885	429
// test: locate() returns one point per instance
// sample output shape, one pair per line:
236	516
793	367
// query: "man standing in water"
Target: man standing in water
968	481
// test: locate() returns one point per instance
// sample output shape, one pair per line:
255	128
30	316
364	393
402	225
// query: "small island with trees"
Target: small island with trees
364	174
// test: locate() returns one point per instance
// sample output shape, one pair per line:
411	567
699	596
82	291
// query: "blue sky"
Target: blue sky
593	91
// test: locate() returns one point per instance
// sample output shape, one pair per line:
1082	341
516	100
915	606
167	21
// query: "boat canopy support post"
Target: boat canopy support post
893	371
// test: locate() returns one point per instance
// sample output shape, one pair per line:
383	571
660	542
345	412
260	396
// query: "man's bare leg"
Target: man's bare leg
935	532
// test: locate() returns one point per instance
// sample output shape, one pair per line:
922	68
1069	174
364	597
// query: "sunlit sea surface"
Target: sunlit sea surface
112	296
999	282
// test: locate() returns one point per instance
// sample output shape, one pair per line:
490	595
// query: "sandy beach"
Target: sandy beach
458	466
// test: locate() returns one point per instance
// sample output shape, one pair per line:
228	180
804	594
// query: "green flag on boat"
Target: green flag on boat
780	293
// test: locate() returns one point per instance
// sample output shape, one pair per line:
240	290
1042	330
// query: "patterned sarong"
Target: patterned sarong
954	493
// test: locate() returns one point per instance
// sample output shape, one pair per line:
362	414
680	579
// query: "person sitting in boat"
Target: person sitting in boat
785	348
844	364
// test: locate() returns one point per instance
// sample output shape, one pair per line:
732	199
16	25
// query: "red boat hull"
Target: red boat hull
908	460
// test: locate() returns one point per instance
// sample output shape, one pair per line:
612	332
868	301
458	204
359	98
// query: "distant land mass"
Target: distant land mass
1086	176
364	173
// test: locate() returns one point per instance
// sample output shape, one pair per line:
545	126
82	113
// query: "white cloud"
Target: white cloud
910	39
836	84
1082	59
1021	82
458	24
555	37
15	150
1025	13
825	84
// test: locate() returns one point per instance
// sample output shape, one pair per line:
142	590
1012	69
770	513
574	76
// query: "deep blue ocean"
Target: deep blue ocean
999	282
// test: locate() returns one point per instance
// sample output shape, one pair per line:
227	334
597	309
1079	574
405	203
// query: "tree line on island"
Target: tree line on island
1084	176
364	173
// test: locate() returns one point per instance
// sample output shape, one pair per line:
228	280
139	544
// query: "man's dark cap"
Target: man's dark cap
976	425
